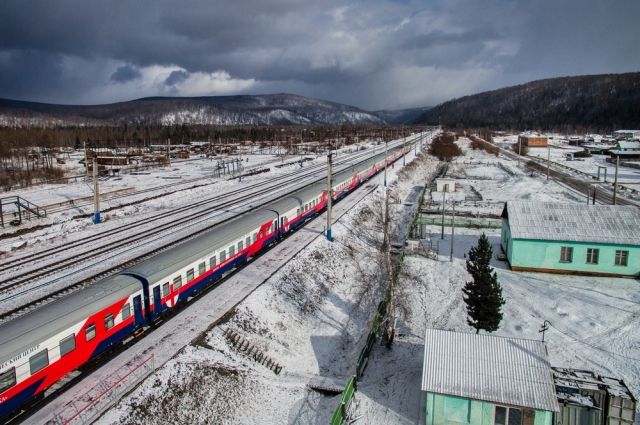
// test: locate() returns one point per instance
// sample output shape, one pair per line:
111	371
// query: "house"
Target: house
626	134
445	185
485	380
572	238
447	190
589	399
532	140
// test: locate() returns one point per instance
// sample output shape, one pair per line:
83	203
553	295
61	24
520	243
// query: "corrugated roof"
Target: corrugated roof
501	370
613	224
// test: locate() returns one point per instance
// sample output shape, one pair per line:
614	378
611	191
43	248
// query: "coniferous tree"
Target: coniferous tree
483	295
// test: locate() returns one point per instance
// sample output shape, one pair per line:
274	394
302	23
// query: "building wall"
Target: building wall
448	410
533	141
545	255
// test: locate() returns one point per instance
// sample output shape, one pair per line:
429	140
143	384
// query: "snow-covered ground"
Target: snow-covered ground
313	314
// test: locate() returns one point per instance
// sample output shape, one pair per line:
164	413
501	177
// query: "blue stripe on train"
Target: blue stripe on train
15	402
113	339
211	278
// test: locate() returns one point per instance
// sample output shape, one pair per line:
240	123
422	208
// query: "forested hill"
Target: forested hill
610	101
274	109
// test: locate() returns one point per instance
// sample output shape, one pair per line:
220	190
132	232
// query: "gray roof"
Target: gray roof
36	326
501	370
612	224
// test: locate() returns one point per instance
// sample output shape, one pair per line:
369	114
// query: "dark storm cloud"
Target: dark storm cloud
125	73
374	53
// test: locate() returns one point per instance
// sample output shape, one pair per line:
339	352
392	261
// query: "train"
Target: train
43	346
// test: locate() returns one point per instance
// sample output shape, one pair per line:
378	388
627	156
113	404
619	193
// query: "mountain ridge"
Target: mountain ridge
270	109
605	101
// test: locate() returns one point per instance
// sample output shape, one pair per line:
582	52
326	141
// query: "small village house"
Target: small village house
532	140
486	380
572	238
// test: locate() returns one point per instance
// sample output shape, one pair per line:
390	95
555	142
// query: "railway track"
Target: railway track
274	183
603	196
56	267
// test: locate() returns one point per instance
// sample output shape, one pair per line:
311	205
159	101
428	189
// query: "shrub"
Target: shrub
444	147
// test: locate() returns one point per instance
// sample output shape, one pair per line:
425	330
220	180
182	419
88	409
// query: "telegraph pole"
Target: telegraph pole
86	164
385	164
443	198
548	159
615	180
96	194
453	226
329	196
169	151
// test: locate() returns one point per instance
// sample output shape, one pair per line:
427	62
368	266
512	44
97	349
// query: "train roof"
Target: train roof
33	328
163	265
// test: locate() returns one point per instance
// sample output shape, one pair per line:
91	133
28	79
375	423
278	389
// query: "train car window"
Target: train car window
298	211
240	246
232	251
39	361
165	289
126	311
67	344
90	332
202	267
190	275
255	237
7	379
212	262
177	283
223	256
248	241
108	321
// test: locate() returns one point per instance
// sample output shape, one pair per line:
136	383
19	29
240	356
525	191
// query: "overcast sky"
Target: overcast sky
373	54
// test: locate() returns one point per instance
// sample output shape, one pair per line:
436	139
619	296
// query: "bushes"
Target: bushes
444	147
477	143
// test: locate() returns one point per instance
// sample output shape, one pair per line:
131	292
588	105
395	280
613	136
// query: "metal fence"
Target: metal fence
105	394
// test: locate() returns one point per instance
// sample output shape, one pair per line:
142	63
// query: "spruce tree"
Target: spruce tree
483	295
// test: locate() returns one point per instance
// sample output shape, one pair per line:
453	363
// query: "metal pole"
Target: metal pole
519	149
443	198
86	164
453	226
329	196
385	164
96	194
548	159
615	180
169	151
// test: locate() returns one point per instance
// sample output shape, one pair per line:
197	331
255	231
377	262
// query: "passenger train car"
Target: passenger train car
43	346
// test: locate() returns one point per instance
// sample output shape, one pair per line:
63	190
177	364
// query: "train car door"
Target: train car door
157	304
137	311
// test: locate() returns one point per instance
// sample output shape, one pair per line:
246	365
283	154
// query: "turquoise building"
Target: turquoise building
572	238
472	379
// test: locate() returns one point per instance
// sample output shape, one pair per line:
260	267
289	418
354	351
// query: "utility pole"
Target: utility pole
385	164
96	194
169	151
86	164
329	196
519	150
548	159
443	199
453	226
615	180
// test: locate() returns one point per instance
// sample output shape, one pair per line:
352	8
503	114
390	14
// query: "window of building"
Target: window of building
592	255
212	262
622	258
67	344
190	275
202	267
566	254
90	332
165	289
39	361
177	283
7	379
126	311
508	416
108	321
